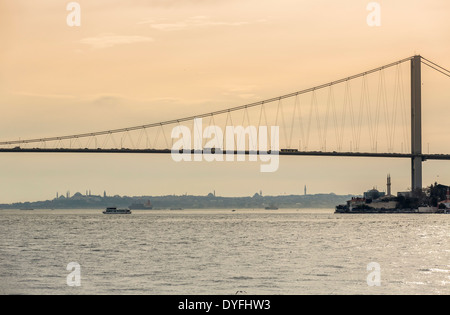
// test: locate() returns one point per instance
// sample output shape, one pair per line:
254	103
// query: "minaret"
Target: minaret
305	190
389	185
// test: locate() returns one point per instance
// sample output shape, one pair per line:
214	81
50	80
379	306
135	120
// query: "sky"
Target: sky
138	62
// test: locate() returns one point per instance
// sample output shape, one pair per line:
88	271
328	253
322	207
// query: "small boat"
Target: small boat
114	210
271	208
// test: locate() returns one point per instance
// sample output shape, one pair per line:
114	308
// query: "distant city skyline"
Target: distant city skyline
181	202
386	189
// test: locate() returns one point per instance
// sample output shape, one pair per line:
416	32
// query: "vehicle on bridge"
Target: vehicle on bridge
289	150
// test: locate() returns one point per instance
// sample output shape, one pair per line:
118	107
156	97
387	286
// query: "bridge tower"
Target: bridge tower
416	123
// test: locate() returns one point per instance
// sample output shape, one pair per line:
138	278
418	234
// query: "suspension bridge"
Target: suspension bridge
387	104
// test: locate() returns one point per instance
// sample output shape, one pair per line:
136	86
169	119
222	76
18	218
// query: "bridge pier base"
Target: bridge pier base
416	172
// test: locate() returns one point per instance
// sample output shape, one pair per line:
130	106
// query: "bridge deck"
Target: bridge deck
281	153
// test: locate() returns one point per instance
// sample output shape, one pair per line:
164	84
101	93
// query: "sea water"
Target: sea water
221	252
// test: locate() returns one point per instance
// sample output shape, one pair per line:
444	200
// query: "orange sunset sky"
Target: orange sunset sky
136	62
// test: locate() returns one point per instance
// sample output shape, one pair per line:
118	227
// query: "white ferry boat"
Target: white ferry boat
114	210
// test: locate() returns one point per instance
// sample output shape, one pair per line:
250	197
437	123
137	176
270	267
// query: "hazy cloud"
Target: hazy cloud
175	3
194	22
106	41
43	95
241	91
240	88
107	100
